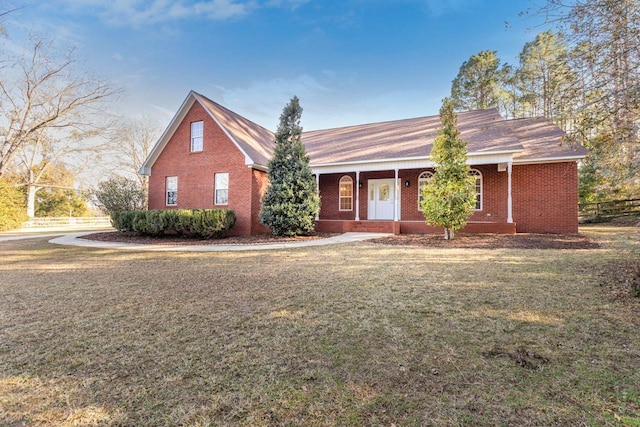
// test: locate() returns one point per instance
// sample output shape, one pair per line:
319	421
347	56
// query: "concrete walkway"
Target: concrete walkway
75	239
39	232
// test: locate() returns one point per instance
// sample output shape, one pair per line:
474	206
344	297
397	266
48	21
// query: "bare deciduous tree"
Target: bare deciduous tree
43	98
133	140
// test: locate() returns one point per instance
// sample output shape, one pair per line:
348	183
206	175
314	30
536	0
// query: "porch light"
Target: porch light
407	183
359	184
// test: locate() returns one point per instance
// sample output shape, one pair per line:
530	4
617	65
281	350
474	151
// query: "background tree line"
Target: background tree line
55	123
584	76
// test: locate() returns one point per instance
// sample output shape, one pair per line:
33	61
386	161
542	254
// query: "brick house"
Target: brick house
369	175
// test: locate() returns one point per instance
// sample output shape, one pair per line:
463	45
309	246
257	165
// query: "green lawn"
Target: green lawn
358	334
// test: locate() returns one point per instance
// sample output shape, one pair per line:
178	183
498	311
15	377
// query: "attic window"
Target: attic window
196	136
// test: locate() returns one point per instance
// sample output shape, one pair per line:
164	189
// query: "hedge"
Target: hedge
206	223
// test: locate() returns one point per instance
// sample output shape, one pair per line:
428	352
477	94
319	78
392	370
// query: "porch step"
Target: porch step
373	226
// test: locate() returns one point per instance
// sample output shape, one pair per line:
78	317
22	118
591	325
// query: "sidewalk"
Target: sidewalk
75	239
37	232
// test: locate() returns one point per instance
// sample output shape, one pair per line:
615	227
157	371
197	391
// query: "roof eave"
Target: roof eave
177	119
247	158
558	159
259	167
399	159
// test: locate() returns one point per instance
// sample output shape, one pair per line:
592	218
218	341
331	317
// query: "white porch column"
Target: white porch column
396	215
357	188
509	200
318	192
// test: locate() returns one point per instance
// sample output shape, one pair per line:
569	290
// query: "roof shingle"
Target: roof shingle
257	142
542	139
484	130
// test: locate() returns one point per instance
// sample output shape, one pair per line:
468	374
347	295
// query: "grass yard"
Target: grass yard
359	334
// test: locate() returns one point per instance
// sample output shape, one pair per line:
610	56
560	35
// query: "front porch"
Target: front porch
408	227
388	200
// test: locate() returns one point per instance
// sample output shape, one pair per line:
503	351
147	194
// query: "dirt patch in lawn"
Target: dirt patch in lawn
622	278
173	239
461	241
494	241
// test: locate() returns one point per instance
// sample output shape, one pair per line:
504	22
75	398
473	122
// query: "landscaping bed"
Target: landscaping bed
174	239
481	241
494	241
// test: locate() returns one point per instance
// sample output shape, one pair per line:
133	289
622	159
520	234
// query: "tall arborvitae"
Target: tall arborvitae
449	197
291	203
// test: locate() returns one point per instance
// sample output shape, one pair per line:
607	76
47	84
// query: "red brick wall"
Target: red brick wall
195	171
259	188
329	197
545	197
494	198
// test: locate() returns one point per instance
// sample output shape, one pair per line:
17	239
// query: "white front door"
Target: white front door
381	198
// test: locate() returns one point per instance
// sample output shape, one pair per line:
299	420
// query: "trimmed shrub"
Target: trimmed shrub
139	223
170	219
206	223
211	223
183	222
122	220
155	223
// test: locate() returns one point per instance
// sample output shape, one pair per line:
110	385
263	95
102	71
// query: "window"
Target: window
476	173
422	182
172	190
346	193
196	136
222	188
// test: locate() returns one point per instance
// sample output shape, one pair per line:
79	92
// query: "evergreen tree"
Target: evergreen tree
291	203
449	197
477	85
604	37
546	80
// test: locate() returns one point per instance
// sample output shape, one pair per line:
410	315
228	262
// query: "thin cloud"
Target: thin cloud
138	13
262	101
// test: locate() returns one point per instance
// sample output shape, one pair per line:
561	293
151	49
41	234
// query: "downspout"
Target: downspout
357	188
396	216
509	200
318	193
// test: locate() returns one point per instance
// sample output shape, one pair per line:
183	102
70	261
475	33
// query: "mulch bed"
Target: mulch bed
478	241
173	239
495	241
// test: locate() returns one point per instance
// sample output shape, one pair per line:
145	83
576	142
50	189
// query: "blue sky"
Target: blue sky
349	61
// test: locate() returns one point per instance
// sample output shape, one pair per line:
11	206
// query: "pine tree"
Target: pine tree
477	85
291	202
449	197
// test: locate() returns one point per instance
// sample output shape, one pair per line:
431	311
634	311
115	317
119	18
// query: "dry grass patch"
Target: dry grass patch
361	334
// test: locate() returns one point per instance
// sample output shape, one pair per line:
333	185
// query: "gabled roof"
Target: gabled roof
542	141
255	142
484	130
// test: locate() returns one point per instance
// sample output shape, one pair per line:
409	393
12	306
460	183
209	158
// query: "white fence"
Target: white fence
97	221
